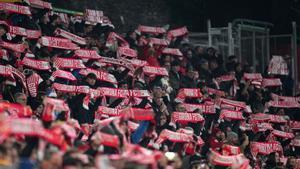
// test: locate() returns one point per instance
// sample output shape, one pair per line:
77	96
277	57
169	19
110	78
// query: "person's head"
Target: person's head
175	66
167	65
55	20
189	54
204	64
132	34
232	138
21	98
3	29
199	50
91	79
191	73
180	107
213	64
72	163
157	91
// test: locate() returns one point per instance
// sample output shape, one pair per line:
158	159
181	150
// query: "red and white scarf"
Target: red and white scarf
106	139
182	117
68	63
232	161
33	82
295	142
276	97
62	74
15	110
278	66
177	32
4	55
237	104
103	76
121	62
71	88
36	64
59	105
190	93
264	148
159	42
123	93
10	7
256	126
225	78
282	104
6	71
70	36
137	113
282	134
150	29
295	125
278	118
151	70
126	51
205	108
172	51
231	114
138	63
87	54
33	34
252	76
39	4
113	37
173	137
260	117
60	43
271	82
216	92
13	46
111	112
230	150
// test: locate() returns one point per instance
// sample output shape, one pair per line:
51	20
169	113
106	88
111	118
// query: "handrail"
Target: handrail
251	22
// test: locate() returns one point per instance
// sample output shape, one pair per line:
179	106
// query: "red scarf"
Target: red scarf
70	36
19	9
87	54
282	104
68	63
230	150
159	42
282	134
271	82
60	43
190	93
295	125
6	72
112	37
13	46
36	64
252	76
15	110
174	137
138	63
216	92
276	97
107	139
264	148
233	161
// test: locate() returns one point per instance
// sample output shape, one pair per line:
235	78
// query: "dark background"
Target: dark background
193	13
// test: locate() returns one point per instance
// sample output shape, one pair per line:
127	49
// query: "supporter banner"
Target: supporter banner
33	82
151	70
14	8
70	36
205	108
265	148
36	64
68	63
63	74
230	114
278	66
58	43
271	82
150	29
172	51
13	46
125	51
185	92
39	4
87	54
112	37
103	76
182	117
159	42
177	32
15	110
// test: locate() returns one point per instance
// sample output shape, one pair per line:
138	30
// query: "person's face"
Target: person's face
213	65
163	120
199	50
167	65
205	66
180	108
2	31
189	54
176	68
167	58
190	74
22	100
91	81
157	92
133	35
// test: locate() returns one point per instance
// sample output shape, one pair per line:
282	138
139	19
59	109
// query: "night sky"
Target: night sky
196	12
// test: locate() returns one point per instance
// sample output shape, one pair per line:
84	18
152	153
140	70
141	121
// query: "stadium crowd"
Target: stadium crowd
77	95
